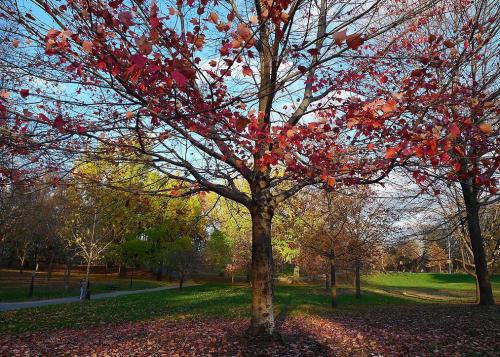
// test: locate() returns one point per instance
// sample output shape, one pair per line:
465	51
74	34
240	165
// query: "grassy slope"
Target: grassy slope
453	287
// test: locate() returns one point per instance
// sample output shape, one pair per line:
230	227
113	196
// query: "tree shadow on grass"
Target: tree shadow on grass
189	337
415	329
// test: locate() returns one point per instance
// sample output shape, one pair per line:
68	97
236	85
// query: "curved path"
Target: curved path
7	306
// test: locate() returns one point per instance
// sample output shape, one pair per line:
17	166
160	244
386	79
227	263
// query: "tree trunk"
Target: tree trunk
262	322
232	279
66	277
159	272
478	292
51	266
358	281
333	282
69	270
32	285
248	274
35	269
181	281
328	282
21	268
87	272
122	271
476	239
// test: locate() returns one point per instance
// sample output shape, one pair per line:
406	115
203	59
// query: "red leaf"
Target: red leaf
58	122
417	72
213	17
145	47
24	93
244	32
454	131
53	33
354	41
179	78
391	153
125	18
115	3
449	43
43	118
154	22
486	128
241	124
389	106
139	60
87	46
339	37
247	71
313	51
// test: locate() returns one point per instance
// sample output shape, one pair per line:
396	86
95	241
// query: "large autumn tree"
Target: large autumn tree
209	92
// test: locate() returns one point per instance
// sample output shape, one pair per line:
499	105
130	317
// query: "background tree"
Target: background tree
235	222
408	255
218	251
446	90
337	230
436	256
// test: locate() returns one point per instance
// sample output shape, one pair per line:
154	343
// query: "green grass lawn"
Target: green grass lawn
14	286
222	300
203	301
459	287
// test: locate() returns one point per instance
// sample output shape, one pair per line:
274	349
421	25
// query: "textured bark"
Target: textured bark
358	281
21	268
67	272
87	273
159	272
32	285
333	282
262	322
478	293
476	239
51	266
181	281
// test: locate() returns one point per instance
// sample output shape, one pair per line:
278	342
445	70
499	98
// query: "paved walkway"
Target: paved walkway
6	306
